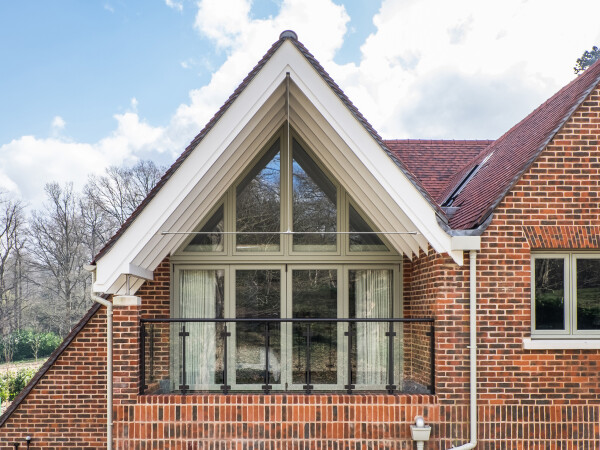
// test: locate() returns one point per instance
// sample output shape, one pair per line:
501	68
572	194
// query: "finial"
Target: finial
288	34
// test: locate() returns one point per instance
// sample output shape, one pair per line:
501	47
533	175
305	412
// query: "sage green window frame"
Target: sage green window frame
286	251
570	296
286	307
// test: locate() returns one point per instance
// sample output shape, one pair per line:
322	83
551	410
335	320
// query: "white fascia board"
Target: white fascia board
287	58
360	141
151	219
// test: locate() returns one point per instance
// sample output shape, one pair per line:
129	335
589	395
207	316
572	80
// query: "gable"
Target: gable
348	147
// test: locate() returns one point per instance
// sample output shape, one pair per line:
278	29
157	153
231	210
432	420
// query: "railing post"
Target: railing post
183	387
142	357
151	351
307	387
432	363
349	387
391	387
225	335
267	386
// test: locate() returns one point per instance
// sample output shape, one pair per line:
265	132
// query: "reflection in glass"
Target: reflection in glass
258	205
588	294
258	295
201	294
370	297
314	294
549	294
209	242
313	204
363	242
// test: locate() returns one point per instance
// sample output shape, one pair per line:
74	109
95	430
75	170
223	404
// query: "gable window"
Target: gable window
566	295
292	295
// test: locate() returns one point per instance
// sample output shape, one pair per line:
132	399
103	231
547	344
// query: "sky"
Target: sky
89	84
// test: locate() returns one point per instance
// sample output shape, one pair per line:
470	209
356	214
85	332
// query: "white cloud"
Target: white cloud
174	4
465	69
109	8
58	124
431	69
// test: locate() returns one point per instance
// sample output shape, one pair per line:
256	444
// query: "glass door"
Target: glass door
314	347
258	295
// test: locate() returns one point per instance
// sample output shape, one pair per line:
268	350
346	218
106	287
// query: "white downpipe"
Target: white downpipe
109	361
473	349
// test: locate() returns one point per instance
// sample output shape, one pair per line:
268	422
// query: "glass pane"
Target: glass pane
363	242
314	205
314	294
258	295
588	294
201	295
549	294
209	242
258	205
371	295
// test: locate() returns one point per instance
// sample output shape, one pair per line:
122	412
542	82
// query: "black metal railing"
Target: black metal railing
410	344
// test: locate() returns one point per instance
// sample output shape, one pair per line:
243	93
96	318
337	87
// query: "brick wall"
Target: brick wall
67	407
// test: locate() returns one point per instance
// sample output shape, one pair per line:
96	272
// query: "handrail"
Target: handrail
295	320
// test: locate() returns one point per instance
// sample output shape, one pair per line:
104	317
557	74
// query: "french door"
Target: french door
313	355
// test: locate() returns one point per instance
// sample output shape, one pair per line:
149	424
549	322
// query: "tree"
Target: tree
119	192
58	256
587	59
11	259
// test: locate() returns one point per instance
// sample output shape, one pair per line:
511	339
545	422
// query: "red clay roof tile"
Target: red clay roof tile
434	162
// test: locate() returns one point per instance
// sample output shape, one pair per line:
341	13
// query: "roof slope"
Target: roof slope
291	36
513	153
434	162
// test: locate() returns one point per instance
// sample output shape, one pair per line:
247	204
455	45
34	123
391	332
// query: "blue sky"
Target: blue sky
87	84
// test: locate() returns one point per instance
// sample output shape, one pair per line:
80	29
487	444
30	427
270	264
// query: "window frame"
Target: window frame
570	297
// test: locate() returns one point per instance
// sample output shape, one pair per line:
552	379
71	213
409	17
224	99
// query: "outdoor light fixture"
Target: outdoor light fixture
420	432
28	439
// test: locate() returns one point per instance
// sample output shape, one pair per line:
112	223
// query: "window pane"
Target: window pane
363	242
258	205
588	294
258	295
370	297
314	204
209	242
314	294
201	294
549	294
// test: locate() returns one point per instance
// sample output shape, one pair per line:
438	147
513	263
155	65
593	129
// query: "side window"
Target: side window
566	295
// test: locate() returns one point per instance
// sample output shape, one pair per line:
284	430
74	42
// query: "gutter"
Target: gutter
109	357
473	350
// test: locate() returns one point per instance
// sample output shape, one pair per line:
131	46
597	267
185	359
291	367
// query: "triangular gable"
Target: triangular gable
324	118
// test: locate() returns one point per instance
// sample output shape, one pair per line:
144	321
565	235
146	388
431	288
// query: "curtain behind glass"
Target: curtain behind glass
373	299
198	299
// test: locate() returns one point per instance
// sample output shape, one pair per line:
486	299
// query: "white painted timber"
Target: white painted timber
466	243
142	244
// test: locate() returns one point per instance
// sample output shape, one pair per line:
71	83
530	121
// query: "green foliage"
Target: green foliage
11	383
587	59
25	341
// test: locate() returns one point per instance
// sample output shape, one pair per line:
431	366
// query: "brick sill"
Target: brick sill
561	344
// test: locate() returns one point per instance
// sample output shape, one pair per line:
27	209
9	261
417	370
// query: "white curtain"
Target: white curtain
373	299
197	299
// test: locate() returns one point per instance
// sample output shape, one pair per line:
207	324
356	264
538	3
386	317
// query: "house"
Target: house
295	281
